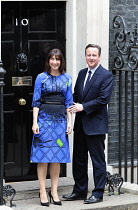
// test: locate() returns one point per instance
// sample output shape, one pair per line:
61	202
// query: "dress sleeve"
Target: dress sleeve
68	95
36	102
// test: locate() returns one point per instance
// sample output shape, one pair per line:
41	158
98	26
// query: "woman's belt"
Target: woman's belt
53	102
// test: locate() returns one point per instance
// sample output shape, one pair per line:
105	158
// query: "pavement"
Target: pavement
26	197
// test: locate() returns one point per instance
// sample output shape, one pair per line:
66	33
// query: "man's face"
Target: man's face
92	57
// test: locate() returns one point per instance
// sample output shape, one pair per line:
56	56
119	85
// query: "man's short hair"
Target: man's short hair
94	46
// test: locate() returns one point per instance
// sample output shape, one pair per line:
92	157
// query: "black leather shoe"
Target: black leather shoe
54	202
73	196
43	204
93	199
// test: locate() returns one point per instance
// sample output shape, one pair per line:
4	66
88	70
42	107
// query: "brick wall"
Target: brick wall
127	9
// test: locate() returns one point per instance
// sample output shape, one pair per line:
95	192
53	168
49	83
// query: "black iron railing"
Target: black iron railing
128	122
2	72
126	75
5	190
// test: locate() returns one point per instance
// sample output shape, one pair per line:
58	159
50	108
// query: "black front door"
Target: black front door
29	31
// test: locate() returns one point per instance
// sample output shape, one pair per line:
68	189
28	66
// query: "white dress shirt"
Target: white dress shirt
87	74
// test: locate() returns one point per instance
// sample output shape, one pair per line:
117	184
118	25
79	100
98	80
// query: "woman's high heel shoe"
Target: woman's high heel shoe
43	204
54	202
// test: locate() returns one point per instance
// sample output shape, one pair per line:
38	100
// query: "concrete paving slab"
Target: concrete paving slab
5	208
115	202
27	198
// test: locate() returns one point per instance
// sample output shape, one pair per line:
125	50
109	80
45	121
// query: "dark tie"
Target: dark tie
87	82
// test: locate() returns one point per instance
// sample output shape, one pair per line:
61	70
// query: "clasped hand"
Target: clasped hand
76	108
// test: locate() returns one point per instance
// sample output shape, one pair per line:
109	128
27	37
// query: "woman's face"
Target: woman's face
54	63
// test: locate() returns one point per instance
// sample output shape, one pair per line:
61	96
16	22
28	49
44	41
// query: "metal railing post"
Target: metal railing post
2	72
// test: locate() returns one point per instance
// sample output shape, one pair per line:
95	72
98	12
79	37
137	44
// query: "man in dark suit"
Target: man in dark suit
91	95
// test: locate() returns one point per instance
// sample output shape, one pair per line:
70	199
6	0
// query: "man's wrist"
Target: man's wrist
82	107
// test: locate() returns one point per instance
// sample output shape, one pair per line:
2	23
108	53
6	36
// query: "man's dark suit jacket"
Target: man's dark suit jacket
94	118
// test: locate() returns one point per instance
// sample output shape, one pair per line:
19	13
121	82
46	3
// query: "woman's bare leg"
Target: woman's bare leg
54	175
42	172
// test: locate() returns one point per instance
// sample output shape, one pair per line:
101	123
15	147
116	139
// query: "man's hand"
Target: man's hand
76	108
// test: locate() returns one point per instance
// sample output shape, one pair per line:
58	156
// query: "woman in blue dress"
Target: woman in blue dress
51	123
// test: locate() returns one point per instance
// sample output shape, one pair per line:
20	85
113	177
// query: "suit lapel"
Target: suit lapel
82	80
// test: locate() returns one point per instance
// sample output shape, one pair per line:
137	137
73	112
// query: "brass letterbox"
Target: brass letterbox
22	81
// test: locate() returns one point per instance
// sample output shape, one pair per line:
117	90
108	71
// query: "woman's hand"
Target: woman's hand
35	128
69	128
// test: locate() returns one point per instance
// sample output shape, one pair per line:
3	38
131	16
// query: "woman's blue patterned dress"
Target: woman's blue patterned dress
52	95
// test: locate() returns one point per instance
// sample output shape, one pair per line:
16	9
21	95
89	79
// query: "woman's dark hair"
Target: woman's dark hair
94	46
58	54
